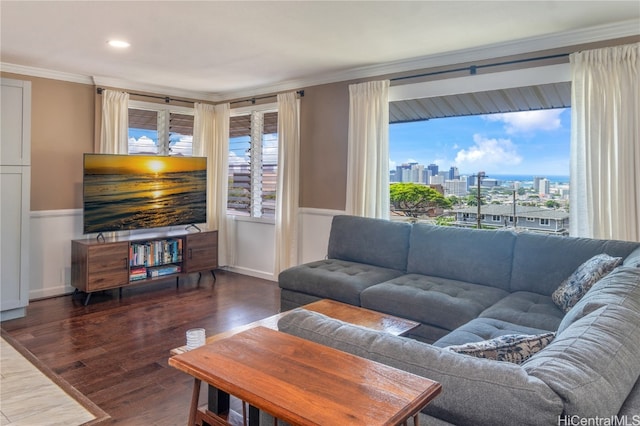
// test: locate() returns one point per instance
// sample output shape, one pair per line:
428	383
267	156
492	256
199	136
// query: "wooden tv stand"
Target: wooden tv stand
116	262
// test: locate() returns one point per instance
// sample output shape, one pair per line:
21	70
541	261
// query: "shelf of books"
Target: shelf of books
156	258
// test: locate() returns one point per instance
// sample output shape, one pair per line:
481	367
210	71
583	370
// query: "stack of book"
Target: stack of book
158	271
137	273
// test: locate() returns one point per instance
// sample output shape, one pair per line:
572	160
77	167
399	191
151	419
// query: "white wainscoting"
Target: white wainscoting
53	230
315	225
50	251
255	242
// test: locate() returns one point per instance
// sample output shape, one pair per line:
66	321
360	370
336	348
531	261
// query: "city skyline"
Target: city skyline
532	143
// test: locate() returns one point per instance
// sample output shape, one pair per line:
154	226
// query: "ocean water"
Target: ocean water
114	202
529	178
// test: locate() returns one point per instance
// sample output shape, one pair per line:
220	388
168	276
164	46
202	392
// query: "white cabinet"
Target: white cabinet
15	180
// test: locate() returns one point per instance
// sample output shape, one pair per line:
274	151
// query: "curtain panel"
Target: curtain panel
114	133
211	140
288	190
368	152
605	143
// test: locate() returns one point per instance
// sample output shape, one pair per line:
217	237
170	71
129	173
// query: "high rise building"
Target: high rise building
453	173
433	168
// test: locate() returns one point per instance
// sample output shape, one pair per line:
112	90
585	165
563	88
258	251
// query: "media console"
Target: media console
116	262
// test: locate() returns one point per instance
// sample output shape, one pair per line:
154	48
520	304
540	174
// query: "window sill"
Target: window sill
238	218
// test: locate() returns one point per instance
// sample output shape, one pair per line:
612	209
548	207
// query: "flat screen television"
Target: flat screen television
127	192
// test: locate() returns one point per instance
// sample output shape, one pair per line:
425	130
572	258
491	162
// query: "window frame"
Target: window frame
248	110
164	112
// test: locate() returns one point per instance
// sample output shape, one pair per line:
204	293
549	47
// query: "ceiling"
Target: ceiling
239	48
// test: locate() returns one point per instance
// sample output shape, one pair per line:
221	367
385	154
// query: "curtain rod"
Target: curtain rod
474	68
167	99
253	100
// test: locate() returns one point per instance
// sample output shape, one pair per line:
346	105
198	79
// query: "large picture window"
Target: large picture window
160	129
253	162
485	139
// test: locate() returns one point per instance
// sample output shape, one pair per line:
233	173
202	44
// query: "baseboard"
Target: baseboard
250	272
44	293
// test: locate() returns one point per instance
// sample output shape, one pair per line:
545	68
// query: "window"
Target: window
544	222
513	126
253	161
495	218
160	129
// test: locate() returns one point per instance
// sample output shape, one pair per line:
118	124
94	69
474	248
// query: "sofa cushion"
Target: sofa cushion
444	303
633	259
469	255
542	262
582	279
621	287
372	241
483	329
528	309
515	348
474	390
334	279
594	363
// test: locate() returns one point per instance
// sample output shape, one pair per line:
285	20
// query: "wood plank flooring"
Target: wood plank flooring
114	351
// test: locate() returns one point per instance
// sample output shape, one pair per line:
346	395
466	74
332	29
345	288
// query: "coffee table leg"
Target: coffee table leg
195	397
218	401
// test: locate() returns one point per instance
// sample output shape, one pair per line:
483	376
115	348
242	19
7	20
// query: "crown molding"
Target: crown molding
45	73
150	88
513	47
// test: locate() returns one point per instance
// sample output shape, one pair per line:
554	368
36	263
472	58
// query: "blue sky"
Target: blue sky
529	142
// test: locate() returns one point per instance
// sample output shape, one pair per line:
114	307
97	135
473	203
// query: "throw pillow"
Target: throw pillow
573	288
516	348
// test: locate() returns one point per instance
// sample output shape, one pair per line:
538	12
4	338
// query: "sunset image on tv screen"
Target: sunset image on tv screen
124	192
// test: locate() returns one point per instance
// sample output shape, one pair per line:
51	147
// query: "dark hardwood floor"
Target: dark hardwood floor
114	351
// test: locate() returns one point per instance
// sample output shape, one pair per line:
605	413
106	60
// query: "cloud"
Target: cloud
486	153
528	121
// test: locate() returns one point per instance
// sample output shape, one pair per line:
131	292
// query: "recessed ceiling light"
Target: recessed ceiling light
121	44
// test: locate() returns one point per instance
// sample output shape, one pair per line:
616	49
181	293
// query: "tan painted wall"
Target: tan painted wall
324	126
61	131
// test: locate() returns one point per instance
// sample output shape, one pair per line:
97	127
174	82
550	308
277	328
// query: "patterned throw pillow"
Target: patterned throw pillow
515	348
573	288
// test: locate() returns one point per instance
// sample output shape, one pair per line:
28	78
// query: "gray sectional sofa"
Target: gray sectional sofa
465	286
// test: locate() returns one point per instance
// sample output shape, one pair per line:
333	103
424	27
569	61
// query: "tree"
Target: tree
414	199
552	204
472	200
445	220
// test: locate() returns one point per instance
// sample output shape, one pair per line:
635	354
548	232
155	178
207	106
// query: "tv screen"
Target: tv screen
126	192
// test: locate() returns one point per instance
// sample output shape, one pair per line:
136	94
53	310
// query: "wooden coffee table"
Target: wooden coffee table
331	308
303	382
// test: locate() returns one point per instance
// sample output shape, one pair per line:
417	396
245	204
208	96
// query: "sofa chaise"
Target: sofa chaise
473	291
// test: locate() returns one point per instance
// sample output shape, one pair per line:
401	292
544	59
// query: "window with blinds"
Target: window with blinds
253	163
159	129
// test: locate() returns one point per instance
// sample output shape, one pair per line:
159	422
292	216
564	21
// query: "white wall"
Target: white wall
52	232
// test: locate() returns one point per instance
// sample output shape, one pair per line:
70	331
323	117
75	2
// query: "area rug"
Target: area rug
32	395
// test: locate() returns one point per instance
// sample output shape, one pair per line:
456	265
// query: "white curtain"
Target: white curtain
287	195
211	140
114	133
368	153
605	143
